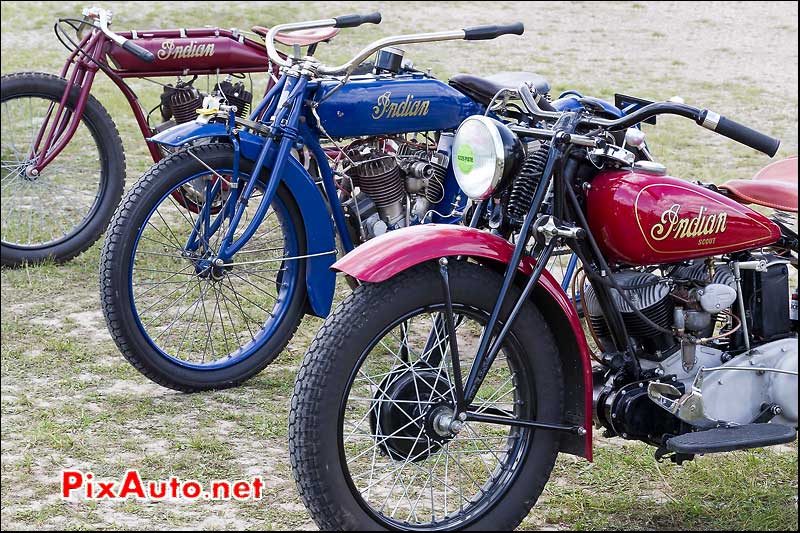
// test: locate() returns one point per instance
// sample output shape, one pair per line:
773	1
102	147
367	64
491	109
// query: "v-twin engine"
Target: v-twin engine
180	102
707	358
392	183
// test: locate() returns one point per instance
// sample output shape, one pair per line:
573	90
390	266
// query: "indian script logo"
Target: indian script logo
673	226
170	51
407	108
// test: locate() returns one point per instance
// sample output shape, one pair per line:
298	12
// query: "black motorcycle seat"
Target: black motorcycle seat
483	89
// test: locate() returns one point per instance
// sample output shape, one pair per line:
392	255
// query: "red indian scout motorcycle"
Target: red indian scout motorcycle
452	377
63	164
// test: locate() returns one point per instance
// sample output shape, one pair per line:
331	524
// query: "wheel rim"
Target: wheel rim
206	322
443	481
51	208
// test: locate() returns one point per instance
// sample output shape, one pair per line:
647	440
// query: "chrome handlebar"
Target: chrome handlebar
350	66
476	33
101	18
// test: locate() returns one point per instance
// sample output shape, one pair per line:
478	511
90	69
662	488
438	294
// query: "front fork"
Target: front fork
284	127
59	124
490	344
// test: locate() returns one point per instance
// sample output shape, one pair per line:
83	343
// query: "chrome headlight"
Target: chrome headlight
487	155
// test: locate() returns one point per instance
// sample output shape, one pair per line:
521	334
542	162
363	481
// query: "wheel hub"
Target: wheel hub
210	268
31	173
444	423
411	414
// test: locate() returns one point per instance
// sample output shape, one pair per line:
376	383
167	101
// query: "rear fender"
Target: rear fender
320	240
382	258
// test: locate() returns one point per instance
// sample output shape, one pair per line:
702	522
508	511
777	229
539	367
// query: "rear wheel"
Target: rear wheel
64	210
375	383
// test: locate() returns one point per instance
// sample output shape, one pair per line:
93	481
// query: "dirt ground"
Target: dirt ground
69	400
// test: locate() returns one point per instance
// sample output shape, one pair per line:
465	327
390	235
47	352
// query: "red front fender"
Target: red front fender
384	257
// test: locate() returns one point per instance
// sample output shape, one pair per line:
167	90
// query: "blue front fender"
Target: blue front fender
189	131
320	239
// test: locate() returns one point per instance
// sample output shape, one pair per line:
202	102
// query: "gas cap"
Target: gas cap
650	167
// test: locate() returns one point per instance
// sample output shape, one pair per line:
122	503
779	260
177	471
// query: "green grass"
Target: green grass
70	400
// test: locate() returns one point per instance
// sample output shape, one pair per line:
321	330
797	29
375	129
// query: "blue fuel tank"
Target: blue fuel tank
377	105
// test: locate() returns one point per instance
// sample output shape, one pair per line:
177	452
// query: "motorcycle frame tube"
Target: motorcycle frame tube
380	259
85	61
63	74
329	186
293	94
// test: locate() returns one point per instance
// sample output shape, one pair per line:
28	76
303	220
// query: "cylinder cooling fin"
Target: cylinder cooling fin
649	295
236	95
378	175
181	102
434	172
699	273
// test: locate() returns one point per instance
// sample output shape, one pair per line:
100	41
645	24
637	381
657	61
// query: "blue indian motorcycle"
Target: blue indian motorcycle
207	273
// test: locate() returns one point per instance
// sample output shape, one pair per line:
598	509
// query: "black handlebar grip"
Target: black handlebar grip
747	136
351	21
481	33
138	51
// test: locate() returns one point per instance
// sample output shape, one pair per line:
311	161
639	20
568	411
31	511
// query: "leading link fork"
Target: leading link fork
450	329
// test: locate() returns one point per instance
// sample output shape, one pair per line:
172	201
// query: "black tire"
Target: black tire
111	180
115	270
333	358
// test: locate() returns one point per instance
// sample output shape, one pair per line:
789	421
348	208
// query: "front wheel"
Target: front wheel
377	382
181	318
61	212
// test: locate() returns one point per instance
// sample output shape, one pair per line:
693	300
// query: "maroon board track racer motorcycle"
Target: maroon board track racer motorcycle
63	164
453	376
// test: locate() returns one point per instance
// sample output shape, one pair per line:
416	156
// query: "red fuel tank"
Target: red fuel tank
645	219
190	51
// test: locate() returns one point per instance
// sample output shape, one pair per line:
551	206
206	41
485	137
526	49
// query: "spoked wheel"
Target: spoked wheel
180	315
63	210
378	381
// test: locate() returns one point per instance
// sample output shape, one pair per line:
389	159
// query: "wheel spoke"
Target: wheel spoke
40	211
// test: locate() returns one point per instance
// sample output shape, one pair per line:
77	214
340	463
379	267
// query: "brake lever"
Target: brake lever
528	96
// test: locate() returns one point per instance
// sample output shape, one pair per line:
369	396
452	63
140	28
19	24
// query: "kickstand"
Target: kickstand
675	457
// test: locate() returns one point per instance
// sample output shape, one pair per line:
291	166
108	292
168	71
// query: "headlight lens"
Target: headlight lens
487	154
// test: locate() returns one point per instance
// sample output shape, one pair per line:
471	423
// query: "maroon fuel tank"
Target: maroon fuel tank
194	50
646	219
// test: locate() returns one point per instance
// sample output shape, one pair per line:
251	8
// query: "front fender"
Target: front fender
188	132
320	240
382	258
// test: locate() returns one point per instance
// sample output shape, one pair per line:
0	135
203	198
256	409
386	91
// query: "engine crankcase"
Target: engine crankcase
738	391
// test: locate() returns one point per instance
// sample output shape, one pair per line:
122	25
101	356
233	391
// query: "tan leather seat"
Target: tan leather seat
773	186
300	37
